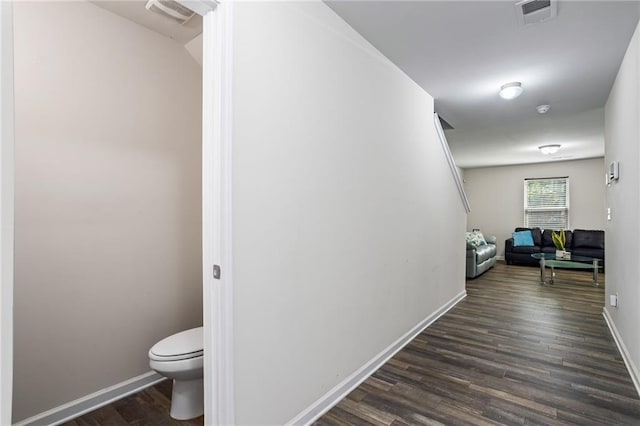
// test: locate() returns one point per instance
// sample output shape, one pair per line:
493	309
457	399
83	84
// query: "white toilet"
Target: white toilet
179	357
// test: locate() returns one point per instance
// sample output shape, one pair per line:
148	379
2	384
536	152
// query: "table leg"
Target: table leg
595	272
542	271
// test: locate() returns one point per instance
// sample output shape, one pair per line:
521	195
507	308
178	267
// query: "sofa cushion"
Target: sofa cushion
526	249
548	242
535	232
485	252
523	239
588	239
588	252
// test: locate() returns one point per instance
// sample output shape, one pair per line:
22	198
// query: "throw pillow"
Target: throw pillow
523	239
476	239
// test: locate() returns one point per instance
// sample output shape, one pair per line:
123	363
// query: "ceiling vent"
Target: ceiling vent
170	9
535	11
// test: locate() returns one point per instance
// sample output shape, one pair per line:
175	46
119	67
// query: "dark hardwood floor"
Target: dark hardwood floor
149	407
513	352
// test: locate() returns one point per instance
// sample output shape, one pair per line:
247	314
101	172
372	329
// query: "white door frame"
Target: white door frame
217	67
6	210
216	209
217	289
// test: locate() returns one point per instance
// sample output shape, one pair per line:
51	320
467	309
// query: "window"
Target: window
546	203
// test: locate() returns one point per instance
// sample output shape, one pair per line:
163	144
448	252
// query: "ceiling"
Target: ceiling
461	52
134	10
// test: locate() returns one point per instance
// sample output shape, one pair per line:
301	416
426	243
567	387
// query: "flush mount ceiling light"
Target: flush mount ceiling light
543	109
511	90
549	149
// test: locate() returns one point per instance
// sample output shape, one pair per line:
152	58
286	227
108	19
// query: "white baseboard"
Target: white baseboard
499	257
628	361
88	403
342	389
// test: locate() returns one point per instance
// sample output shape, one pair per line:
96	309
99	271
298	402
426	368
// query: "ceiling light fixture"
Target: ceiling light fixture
543	109
511	90
549	149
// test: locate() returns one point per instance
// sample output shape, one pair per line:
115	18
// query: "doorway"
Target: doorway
214	134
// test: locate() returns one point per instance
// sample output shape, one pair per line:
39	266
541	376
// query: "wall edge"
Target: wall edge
88	403
342	389
626	357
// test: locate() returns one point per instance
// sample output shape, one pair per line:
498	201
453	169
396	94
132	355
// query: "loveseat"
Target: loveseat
481	257
580	242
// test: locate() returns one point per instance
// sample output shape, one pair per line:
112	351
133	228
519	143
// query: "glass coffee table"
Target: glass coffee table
576	262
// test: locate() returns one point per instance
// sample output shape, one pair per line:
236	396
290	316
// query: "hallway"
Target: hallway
512	352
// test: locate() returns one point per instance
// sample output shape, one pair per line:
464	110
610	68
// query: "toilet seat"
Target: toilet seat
184	345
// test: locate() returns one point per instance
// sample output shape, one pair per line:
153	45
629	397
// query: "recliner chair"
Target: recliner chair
481	258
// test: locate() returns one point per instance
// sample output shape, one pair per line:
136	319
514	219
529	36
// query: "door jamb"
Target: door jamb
217	278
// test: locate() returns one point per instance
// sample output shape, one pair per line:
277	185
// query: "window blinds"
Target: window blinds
546	203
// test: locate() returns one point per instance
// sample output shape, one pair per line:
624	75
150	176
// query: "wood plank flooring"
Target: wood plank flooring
149	407
513	352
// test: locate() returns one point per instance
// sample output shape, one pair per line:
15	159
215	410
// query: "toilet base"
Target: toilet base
187	399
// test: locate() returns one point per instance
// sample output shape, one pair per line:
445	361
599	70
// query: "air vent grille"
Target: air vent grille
170	9
535	5
535	11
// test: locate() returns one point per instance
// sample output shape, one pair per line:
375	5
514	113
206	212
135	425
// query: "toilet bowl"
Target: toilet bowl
179	357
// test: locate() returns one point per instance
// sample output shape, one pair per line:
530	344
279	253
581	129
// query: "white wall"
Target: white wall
6	210
347	223
108	251
497	199
622	133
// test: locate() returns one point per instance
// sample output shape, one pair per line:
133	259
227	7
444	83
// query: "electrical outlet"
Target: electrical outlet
613	300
